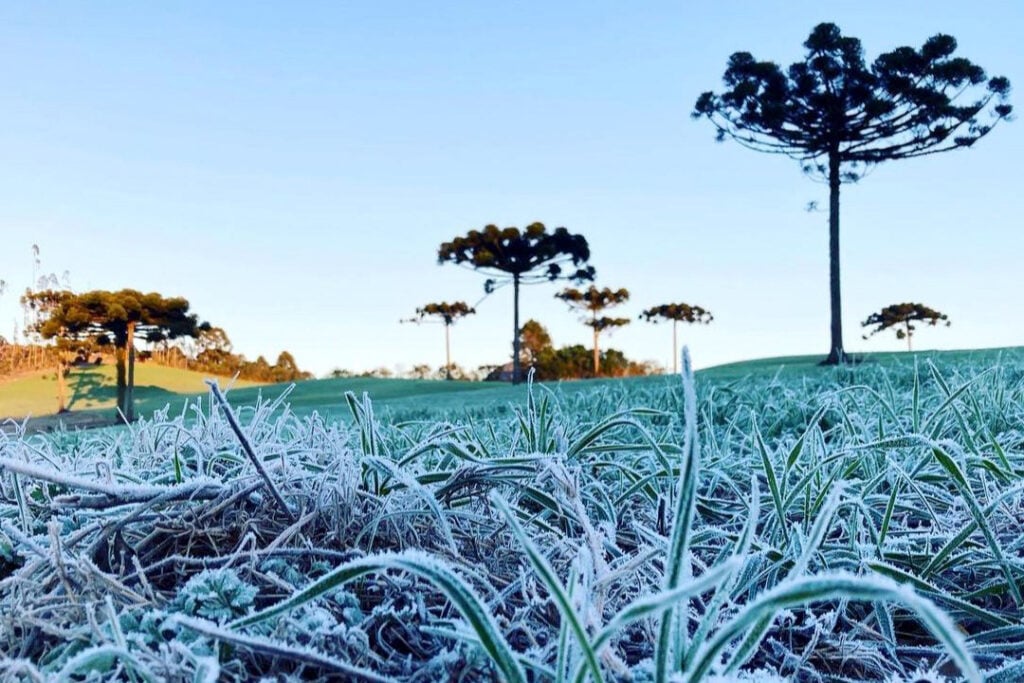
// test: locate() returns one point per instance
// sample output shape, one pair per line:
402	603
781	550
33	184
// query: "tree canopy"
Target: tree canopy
593	300
448	313
838	115
119	318
526	256
900	317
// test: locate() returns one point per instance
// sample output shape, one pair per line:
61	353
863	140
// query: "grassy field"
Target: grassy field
769	521
92	389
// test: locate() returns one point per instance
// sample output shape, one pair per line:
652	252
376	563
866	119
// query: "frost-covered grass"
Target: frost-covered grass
842	525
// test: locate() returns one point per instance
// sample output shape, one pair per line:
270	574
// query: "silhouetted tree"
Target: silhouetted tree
838	116
119	317
677	313
449	314
594	300
900	317
521	257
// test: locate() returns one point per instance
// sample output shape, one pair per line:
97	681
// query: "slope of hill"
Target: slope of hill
92	389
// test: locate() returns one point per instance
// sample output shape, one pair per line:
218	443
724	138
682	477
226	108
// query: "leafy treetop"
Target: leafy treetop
594	300
449	313
99	313
683	313
529	255
900	316
902	105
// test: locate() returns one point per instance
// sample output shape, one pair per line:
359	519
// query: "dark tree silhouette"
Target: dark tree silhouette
593	301
521	257
119	317
677	313
900	317
449	314
839	116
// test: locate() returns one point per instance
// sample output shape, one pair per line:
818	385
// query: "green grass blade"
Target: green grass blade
546	574
670	647
458	592
773	484
806	590
951	466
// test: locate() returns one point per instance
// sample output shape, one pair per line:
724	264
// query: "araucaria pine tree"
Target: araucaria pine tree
449	314
677	313
593	300
520	257
838	115
900	317
117	318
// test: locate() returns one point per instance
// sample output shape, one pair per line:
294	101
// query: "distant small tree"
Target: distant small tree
521	257
593	301
286	369
839	116
449	314
420	371
677	313
118	317
259	370
534	339
900	317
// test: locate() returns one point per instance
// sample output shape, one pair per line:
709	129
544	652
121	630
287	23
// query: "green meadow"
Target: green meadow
92	389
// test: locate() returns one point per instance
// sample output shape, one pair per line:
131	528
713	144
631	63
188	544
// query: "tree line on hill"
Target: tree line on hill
211	351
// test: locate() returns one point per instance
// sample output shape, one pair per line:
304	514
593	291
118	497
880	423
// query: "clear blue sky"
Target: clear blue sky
291	168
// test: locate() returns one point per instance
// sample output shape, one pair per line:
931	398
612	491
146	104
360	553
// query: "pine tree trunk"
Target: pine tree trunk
62	385
120	359
597	354
907	323
130	394
448	352
675	348
516	373
836	353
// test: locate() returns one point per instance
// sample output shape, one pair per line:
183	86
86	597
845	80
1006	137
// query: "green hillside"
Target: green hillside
92	389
